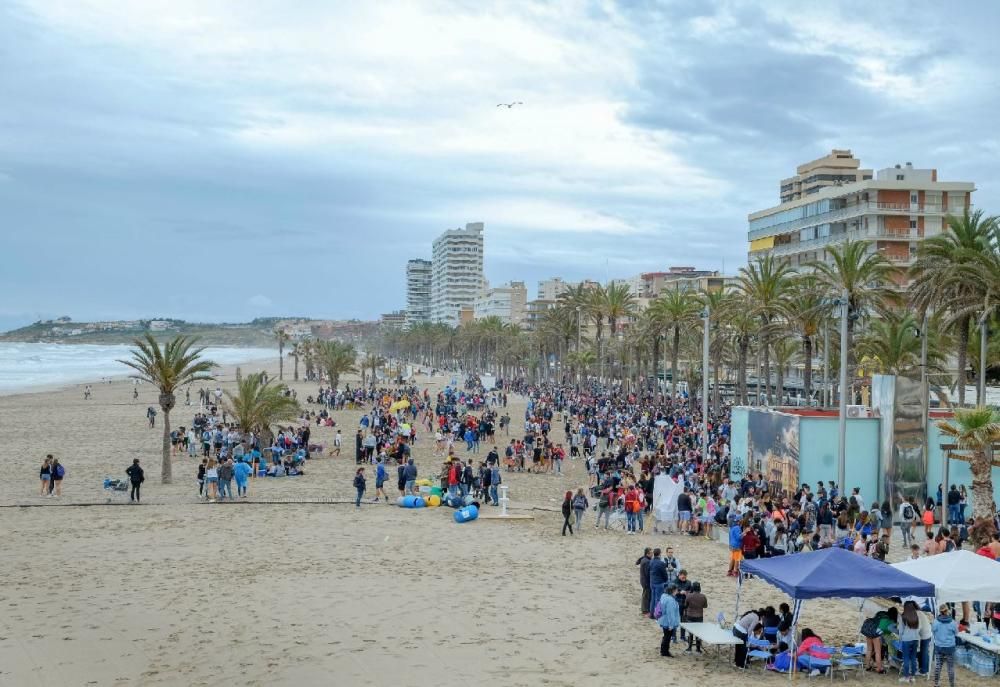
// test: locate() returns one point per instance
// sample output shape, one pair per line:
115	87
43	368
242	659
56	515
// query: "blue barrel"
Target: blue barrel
409	501
466	514
419	502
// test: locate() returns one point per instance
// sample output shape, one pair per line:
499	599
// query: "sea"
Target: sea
26	366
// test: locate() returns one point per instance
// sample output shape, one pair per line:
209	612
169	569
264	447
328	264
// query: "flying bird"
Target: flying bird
510	105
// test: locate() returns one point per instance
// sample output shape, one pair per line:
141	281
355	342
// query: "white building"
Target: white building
634	284
509	302
456	272
418	292
551	289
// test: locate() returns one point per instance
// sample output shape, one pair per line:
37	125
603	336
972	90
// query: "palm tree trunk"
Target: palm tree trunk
296	368
741	371
716	364
281	359
780	390
673	360
981	467
807	374
166	469
963	357
766	349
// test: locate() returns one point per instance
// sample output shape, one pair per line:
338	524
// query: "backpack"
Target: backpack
604	502
60	471
907	512
658	611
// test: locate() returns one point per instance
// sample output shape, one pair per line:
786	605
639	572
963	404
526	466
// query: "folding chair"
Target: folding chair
758	651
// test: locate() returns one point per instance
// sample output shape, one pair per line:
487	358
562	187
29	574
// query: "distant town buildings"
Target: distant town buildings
507	302
551	289
418	291
393	320
456	272
895	210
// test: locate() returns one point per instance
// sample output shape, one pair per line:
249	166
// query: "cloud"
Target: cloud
259	302
340	139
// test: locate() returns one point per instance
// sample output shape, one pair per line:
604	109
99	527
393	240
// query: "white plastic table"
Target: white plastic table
993	647
711	633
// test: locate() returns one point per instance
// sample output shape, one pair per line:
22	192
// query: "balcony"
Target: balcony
849	212
869	234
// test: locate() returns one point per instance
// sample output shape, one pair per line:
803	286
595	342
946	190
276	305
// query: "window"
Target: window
900	177
914	198
913	224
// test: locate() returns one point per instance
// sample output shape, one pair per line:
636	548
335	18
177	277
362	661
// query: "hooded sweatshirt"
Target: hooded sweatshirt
944	630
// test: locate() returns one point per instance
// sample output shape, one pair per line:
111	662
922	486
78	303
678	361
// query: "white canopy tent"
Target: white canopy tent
665	493
957	576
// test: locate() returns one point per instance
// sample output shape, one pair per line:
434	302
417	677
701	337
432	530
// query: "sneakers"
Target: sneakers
814	672
687	651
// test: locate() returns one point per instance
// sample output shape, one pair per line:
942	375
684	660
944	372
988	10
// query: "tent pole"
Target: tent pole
793	662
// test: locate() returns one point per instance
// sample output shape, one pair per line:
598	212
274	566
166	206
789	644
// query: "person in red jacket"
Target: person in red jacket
632	508
454	477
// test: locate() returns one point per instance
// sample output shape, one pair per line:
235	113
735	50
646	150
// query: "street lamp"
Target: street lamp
706	315
845	304
981	384
578	311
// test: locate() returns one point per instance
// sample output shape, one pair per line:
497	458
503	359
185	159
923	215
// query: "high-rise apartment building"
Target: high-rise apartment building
456	272
896	210
418	292
551	289
508	302
837	168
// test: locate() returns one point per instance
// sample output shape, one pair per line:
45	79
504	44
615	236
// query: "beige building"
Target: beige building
838	168
509	302
894	211
684	278
551	289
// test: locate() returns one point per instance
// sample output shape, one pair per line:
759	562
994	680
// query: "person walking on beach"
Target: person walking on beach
359	484
643	563
201	476
136	477
45	476
211	479
241	471
151	416
410	475
381	475
567	510
669	619
58	472
226	479
580	505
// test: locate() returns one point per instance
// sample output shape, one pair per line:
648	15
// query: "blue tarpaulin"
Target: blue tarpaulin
835	574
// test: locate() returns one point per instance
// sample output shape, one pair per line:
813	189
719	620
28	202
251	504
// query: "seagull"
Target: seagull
510	105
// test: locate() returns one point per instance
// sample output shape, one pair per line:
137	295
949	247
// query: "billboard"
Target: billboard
773	448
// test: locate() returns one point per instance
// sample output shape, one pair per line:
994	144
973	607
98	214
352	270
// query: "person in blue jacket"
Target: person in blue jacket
944	629
241	472
657	579
670	618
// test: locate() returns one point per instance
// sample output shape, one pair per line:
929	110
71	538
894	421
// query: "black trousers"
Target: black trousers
566	524
135	491
668	634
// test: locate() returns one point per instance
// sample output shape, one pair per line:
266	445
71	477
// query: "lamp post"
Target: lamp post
845	306
981	383
825	399
578	345
706	315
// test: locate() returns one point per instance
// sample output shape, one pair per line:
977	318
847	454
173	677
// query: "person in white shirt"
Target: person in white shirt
906	524
859	498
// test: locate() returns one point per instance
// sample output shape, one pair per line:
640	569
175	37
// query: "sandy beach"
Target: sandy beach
179	592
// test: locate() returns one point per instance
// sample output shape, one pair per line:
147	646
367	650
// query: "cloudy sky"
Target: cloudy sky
213	159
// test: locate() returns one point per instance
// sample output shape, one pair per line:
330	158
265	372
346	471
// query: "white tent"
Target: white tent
958	576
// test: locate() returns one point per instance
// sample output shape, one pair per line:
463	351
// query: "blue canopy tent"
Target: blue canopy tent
832	573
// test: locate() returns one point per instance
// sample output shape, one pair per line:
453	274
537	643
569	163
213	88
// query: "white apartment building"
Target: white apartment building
456	272
418	291
509	302
551	289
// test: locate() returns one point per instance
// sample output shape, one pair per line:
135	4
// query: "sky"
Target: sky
220	160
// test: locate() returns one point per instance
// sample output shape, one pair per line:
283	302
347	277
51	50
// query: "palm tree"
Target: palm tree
784	352
618	302
866	277
581	361
943	258
297	350
976	430
741	325
595	309
892	345
675	309
168	368
282	336
257	405
371	362
805	309
335	358
764	284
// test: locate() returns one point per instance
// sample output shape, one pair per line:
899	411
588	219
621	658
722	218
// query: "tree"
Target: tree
675	309
892	345
335	358
372	362
764	284
177	363
282	336
297	350
975	430
867	278
805	309
741	325
257	405
940	277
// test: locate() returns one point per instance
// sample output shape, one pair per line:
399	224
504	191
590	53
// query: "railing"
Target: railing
847	213
855	235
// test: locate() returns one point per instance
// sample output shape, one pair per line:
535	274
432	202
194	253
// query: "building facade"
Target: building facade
393	320
838	168
508	302
895	210
456	272
551	289
418	292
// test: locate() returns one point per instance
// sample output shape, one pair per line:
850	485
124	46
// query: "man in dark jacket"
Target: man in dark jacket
136	477
647	593
657	579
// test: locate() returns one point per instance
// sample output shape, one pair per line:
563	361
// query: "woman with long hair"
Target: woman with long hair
567	510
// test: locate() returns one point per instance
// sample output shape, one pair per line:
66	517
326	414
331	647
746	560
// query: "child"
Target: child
944	630
928	520
735	549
